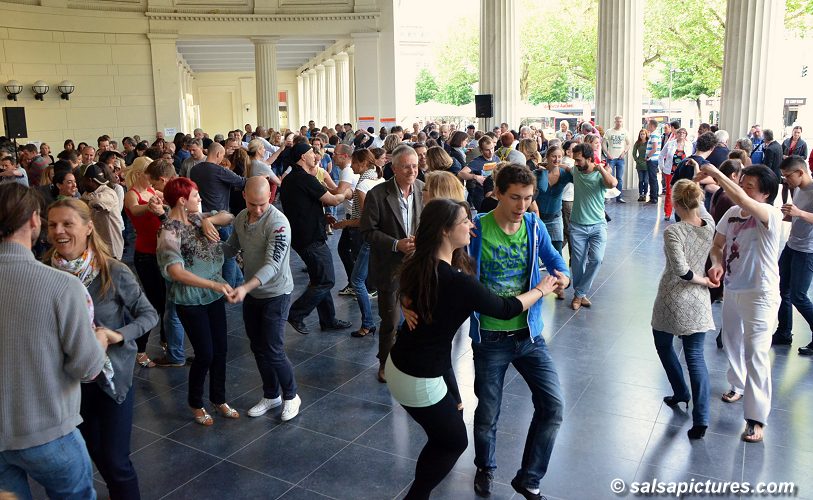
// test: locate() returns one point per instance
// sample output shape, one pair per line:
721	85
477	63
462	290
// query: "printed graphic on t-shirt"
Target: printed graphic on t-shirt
504	268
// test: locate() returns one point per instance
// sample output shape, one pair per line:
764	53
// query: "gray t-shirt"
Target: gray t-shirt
801	232
261	168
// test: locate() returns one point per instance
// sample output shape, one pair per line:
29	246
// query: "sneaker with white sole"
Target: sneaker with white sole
290	408
348	290
264	405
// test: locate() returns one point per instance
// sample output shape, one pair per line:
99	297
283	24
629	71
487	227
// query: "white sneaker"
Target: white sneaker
290	408
264	405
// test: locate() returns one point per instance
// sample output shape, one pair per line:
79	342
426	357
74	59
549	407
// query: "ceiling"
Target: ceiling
237	54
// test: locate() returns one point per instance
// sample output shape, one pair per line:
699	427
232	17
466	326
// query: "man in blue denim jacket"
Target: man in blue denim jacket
507	247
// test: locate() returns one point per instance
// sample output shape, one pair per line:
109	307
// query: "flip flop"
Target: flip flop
731	397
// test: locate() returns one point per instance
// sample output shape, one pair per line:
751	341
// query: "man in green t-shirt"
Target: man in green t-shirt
588	228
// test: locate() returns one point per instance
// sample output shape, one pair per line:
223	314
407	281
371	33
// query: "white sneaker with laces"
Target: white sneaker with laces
264	405
290	408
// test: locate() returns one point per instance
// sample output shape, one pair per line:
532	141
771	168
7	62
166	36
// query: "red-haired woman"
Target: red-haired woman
193	262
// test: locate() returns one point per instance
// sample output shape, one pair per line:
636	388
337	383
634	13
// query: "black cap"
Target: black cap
297	152
96	173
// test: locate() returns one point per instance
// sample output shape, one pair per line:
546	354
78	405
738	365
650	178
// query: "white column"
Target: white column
321	96
312	94
342	88
351	66
330	90
754	32
499	60
166	81
620	69
265	70
300	99
367	77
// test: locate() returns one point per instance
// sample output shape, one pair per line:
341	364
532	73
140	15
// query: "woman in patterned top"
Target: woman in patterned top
363	163
192	261
682	307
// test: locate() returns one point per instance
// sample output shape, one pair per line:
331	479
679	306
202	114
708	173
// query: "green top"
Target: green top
504	269
639	155
588	198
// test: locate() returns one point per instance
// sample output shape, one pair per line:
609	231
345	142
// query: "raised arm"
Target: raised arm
761	211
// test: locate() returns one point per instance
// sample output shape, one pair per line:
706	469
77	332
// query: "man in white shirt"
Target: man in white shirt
616	144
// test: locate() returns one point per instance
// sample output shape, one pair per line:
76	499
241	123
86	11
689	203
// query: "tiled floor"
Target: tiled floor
351	441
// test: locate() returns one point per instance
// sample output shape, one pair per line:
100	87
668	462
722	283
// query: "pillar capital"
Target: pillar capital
264	40
320	68
310	72
341	56
329	63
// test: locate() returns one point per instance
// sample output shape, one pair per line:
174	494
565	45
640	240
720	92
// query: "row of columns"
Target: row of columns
327	90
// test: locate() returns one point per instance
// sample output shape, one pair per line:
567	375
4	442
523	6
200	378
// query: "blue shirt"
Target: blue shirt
549	198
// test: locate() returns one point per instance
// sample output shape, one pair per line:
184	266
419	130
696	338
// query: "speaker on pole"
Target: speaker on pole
14	120
484	105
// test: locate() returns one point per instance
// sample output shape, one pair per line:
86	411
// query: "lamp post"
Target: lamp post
672	72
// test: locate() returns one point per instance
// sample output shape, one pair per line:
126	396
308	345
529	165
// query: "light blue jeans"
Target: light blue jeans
587	244
358	281
617	169
173	330
61	466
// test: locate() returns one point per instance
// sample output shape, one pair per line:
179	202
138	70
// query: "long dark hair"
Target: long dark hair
419	274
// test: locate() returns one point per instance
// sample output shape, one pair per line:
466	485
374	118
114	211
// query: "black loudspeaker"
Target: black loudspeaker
14	119
484	105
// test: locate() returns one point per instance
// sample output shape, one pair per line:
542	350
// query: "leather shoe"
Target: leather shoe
806	350
781	339
299	326
483	480
586	302
576	303
337	325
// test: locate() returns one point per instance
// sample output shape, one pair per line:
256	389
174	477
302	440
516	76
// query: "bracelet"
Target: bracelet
539	290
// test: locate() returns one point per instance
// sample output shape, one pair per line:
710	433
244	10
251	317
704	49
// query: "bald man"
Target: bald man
215	185
264	235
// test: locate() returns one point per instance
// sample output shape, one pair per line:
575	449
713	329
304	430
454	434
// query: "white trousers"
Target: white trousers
749	319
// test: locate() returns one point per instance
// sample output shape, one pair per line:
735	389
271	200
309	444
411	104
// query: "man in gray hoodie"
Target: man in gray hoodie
263	233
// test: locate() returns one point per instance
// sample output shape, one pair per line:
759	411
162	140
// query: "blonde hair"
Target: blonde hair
443	184
99	246
438	159
254	147
391	142
687	194
529	149
132	173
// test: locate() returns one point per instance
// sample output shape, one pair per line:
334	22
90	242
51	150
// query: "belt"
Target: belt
523	333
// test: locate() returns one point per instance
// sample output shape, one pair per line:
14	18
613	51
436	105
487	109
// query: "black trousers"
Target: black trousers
348	249
447	440
206	328
265	326
106	430
155	288
319	260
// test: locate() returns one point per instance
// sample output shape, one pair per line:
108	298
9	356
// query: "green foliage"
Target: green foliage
558	91
799	17
459	63
426	88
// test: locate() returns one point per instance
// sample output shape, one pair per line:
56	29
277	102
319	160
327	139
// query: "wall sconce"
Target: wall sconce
247	107
13	87
66	88
40	88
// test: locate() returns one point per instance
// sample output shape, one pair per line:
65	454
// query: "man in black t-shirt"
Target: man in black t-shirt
303	199
685	169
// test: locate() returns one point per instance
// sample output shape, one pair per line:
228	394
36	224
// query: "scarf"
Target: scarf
83	267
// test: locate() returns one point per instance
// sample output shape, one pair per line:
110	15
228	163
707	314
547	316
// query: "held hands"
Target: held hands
561	280
223	288
709	283
112	337
209	230
101	337
547	285
715	274
707	170
237	295
791	210
155	206
406	245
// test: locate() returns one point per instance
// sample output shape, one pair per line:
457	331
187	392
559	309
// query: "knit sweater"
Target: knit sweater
683	307
47	346
266	246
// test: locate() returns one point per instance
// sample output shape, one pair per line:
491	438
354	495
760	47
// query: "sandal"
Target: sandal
202	417
144	360
363	332
731	397
753	432
227	411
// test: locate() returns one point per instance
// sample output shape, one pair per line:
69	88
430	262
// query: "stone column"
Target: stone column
499	60
330	90
367	81
620	69
312	96
351	66
321	96
342	88
300	100
754	32
166	82
265	70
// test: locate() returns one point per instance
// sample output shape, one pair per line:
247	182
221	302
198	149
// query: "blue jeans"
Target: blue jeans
265	327
231	272
617	169
795	274
531	359
587	244
319	261
61	466
643	182
698	373
652	173
358	279
174	332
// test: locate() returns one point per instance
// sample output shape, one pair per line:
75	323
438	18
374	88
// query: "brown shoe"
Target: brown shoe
586	302
560	295
576	303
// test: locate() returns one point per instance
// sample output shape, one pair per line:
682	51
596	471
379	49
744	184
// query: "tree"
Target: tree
558	91
799	17
458	63
426	88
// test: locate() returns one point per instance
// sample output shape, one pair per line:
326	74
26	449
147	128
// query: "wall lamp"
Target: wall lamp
66	88
13	87
40	88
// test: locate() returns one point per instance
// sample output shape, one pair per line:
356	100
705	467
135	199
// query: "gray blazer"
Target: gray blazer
124	309
382	224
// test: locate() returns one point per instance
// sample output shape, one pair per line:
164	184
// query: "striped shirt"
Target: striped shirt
653	147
